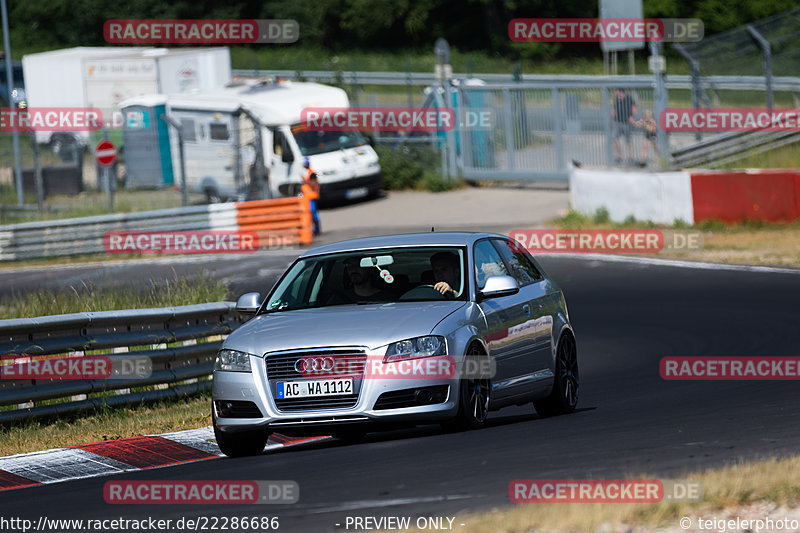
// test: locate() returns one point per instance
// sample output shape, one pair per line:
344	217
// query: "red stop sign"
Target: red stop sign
105	153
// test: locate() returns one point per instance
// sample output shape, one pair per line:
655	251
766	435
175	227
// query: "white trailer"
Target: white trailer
104	77
247	141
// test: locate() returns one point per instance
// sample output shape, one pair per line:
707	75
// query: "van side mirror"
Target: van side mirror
287	156
248	302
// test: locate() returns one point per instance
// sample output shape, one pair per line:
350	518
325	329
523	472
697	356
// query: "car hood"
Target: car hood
370	325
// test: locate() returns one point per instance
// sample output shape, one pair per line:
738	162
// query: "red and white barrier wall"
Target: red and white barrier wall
691	196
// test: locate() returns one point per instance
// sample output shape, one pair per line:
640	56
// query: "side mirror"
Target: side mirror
370	140
248	302
497	286
287	156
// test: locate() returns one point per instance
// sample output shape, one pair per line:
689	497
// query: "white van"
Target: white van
246	141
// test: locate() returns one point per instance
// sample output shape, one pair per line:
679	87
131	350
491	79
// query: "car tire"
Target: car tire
473	399
241	443
566	382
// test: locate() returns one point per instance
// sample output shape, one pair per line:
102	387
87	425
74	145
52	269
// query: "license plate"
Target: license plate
356	193
314	387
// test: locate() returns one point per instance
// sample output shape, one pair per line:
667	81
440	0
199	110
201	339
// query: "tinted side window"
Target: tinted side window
219	132
487	263
520	264
188	131
277	142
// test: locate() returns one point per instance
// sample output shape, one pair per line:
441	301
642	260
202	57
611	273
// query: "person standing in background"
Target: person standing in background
650	135
623	112
310	190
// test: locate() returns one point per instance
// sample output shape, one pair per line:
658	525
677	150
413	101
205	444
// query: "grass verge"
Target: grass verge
90	203
751	242
733	487
87	297
106	424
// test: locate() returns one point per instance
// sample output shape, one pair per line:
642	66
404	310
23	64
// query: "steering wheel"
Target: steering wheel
423	291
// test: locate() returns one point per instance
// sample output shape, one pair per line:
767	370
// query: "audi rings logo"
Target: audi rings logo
308	365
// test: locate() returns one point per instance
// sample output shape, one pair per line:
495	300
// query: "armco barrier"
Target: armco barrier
692	196
283	220
181	343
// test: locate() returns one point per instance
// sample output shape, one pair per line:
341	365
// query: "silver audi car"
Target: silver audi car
397	330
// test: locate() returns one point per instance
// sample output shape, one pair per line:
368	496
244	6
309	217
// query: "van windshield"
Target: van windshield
319	142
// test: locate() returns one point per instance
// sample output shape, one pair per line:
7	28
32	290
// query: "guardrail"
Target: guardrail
729	147
283	220
754	83
181	344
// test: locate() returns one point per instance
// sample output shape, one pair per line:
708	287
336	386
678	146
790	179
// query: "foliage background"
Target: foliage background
347	25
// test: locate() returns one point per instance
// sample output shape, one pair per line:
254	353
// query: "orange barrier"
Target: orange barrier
278	221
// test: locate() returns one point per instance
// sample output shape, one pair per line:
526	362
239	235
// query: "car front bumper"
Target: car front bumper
253	387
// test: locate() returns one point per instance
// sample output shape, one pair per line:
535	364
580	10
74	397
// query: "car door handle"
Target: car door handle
526	309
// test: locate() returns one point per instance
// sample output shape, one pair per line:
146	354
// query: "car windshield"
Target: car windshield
319	142
372	276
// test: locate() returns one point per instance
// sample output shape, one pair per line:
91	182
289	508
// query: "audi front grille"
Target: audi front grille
281	367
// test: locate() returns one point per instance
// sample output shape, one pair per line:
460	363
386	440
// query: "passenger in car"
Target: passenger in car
364	283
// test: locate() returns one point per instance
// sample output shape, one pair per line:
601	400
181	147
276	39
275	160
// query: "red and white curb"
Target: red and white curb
118	456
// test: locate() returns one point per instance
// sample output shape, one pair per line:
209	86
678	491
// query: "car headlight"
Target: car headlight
426	346
232	361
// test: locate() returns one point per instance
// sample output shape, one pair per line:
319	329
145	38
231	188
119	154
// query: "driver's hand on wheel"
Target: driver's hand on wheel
445	288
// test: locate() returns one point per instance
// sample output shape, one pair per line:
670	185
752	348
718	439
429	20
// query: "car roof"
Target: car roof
452	238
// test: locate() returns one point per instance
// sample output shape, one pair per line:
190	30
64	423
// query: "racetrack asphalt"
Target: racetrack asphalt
630	422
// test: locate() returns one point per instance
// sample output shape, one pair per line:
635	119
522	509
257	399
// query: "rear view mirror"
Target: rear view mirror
497	286
248	302
287	156
381	260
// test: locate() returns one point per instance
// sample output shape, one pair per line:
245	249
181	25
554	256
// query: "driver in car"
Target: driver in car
445	267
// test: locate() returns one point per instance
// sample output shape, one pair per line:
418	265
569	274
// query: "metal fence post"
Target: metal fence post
354	81
695	73
661	101
408	81
10	80
558	129
766	51
508	129
37	173
607	127
452	134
